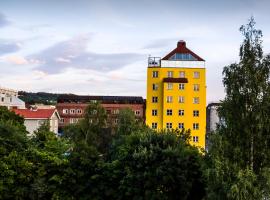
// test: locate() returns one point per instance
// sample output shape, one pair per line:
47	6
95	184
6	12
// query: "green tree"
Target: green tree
239	151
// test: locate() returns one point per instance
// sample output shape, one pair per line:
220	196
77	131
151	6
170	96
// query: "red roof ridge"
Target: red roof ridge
35	114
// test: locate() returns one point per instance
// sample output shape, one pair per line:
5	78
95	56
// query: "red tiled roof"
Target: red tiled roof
181	48
35	114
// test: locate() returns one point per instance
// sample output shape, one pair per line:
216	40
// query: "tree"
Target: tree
150	165
239	151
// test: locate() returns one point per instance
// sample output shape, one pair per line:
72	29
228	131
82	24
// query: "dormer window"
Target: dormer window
182	56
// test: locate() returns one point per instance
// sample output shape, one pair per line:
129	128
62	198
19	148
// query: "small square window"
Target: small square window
196	113
181	112
196	100
196	74
79	111
72	111
181	86
62	120
115	112
137	112
169	86
154	125
169	99
65	111
169	125
154	112
116	121
169	112
181	125
170	74
155	86
181	99
196	87
155	74
195	126
182	74
195	139
154	99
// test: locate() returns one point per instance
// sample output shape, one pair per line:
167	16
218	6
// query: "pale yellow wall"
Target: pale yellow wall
187	106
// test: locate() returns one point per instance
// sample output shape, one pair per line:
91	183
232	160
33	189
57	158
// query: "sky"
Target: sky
100	47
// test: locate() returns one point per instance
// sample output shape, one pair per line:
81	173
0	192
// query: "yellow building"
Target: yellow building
176	93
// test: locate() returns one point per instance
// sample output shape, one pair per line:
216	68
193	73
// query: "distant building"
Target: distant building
176	93
34	118
71	107
9	98
212	117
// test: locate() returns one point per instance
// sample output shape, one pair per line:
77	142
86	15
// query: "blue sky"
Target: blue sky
101	46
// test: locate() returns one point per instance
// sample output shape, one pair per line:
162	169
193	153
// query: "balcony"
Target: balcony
154	61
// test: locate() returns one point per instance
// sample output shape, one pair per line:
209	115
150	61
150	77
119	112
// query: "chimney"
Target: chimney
181	43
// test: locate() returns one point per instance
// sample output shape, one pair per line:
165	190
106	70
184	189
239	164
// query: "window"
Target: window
115	112
196	74
170	74
180	125
137	112
108	111
169	125
73	120
154	112
72	111
169	99
195	139
169	86
10	99
62	120
181	112
195	126
79	111
181	99
2	99
169	112
196	87
154	125
182	74
155	86
154	99
65	111
181	86
116	121
196	113
155	74
196	100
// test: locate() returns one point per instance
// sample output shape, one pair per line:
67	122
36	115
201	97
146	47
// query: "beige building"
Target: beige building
9	98
34	118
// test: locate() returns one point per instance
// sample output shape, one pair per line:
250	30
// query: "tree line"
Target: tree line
92	160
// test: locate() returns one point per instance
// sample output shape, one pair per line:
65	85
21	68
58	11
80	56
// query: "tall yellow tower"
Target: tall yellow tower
176	93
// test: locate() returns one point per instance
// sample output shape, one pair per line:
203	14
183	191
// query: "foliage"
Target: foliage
239	152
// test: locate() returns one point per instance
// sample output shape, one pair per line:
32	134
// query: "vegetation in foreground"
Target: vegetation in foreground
135	162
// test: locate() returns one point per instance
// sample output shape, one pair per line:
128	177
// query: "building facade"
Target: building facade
33	119
9	98
71	107
176	93
212	117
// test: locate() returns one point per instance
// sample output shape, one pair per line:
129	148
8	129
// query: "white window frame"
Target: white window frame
182	74
181	99
154	125
169	125
170	74
181	86
154	99
169	99
196	74
196	126
155	86
65	111
155	74
181	125
196	87
181	112
137	112
196	100
169	86
196	113
195	139
169	112
154	112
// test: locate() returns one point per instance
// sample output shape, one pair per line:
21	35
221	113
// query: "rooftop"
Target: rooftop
35	114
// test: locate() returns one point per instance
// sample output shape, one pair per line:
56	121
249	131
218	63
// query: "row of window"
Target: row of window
3	99
181	86
169	125
181	99
196	113
181	74
79	111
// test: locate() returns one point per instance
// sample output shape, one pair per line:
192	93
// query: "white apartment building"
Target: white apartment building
9	98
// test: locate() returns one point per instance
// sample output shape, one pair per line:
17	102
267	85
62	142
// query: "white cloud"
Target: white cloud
17	60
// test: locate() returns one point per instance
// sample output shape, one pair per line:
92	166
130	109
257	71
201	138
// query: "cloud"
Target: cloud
3	20
18	60
73	54
9	47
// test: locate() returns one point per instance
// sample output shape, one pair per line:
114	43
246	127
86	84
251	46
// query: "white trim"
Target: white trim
187	64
